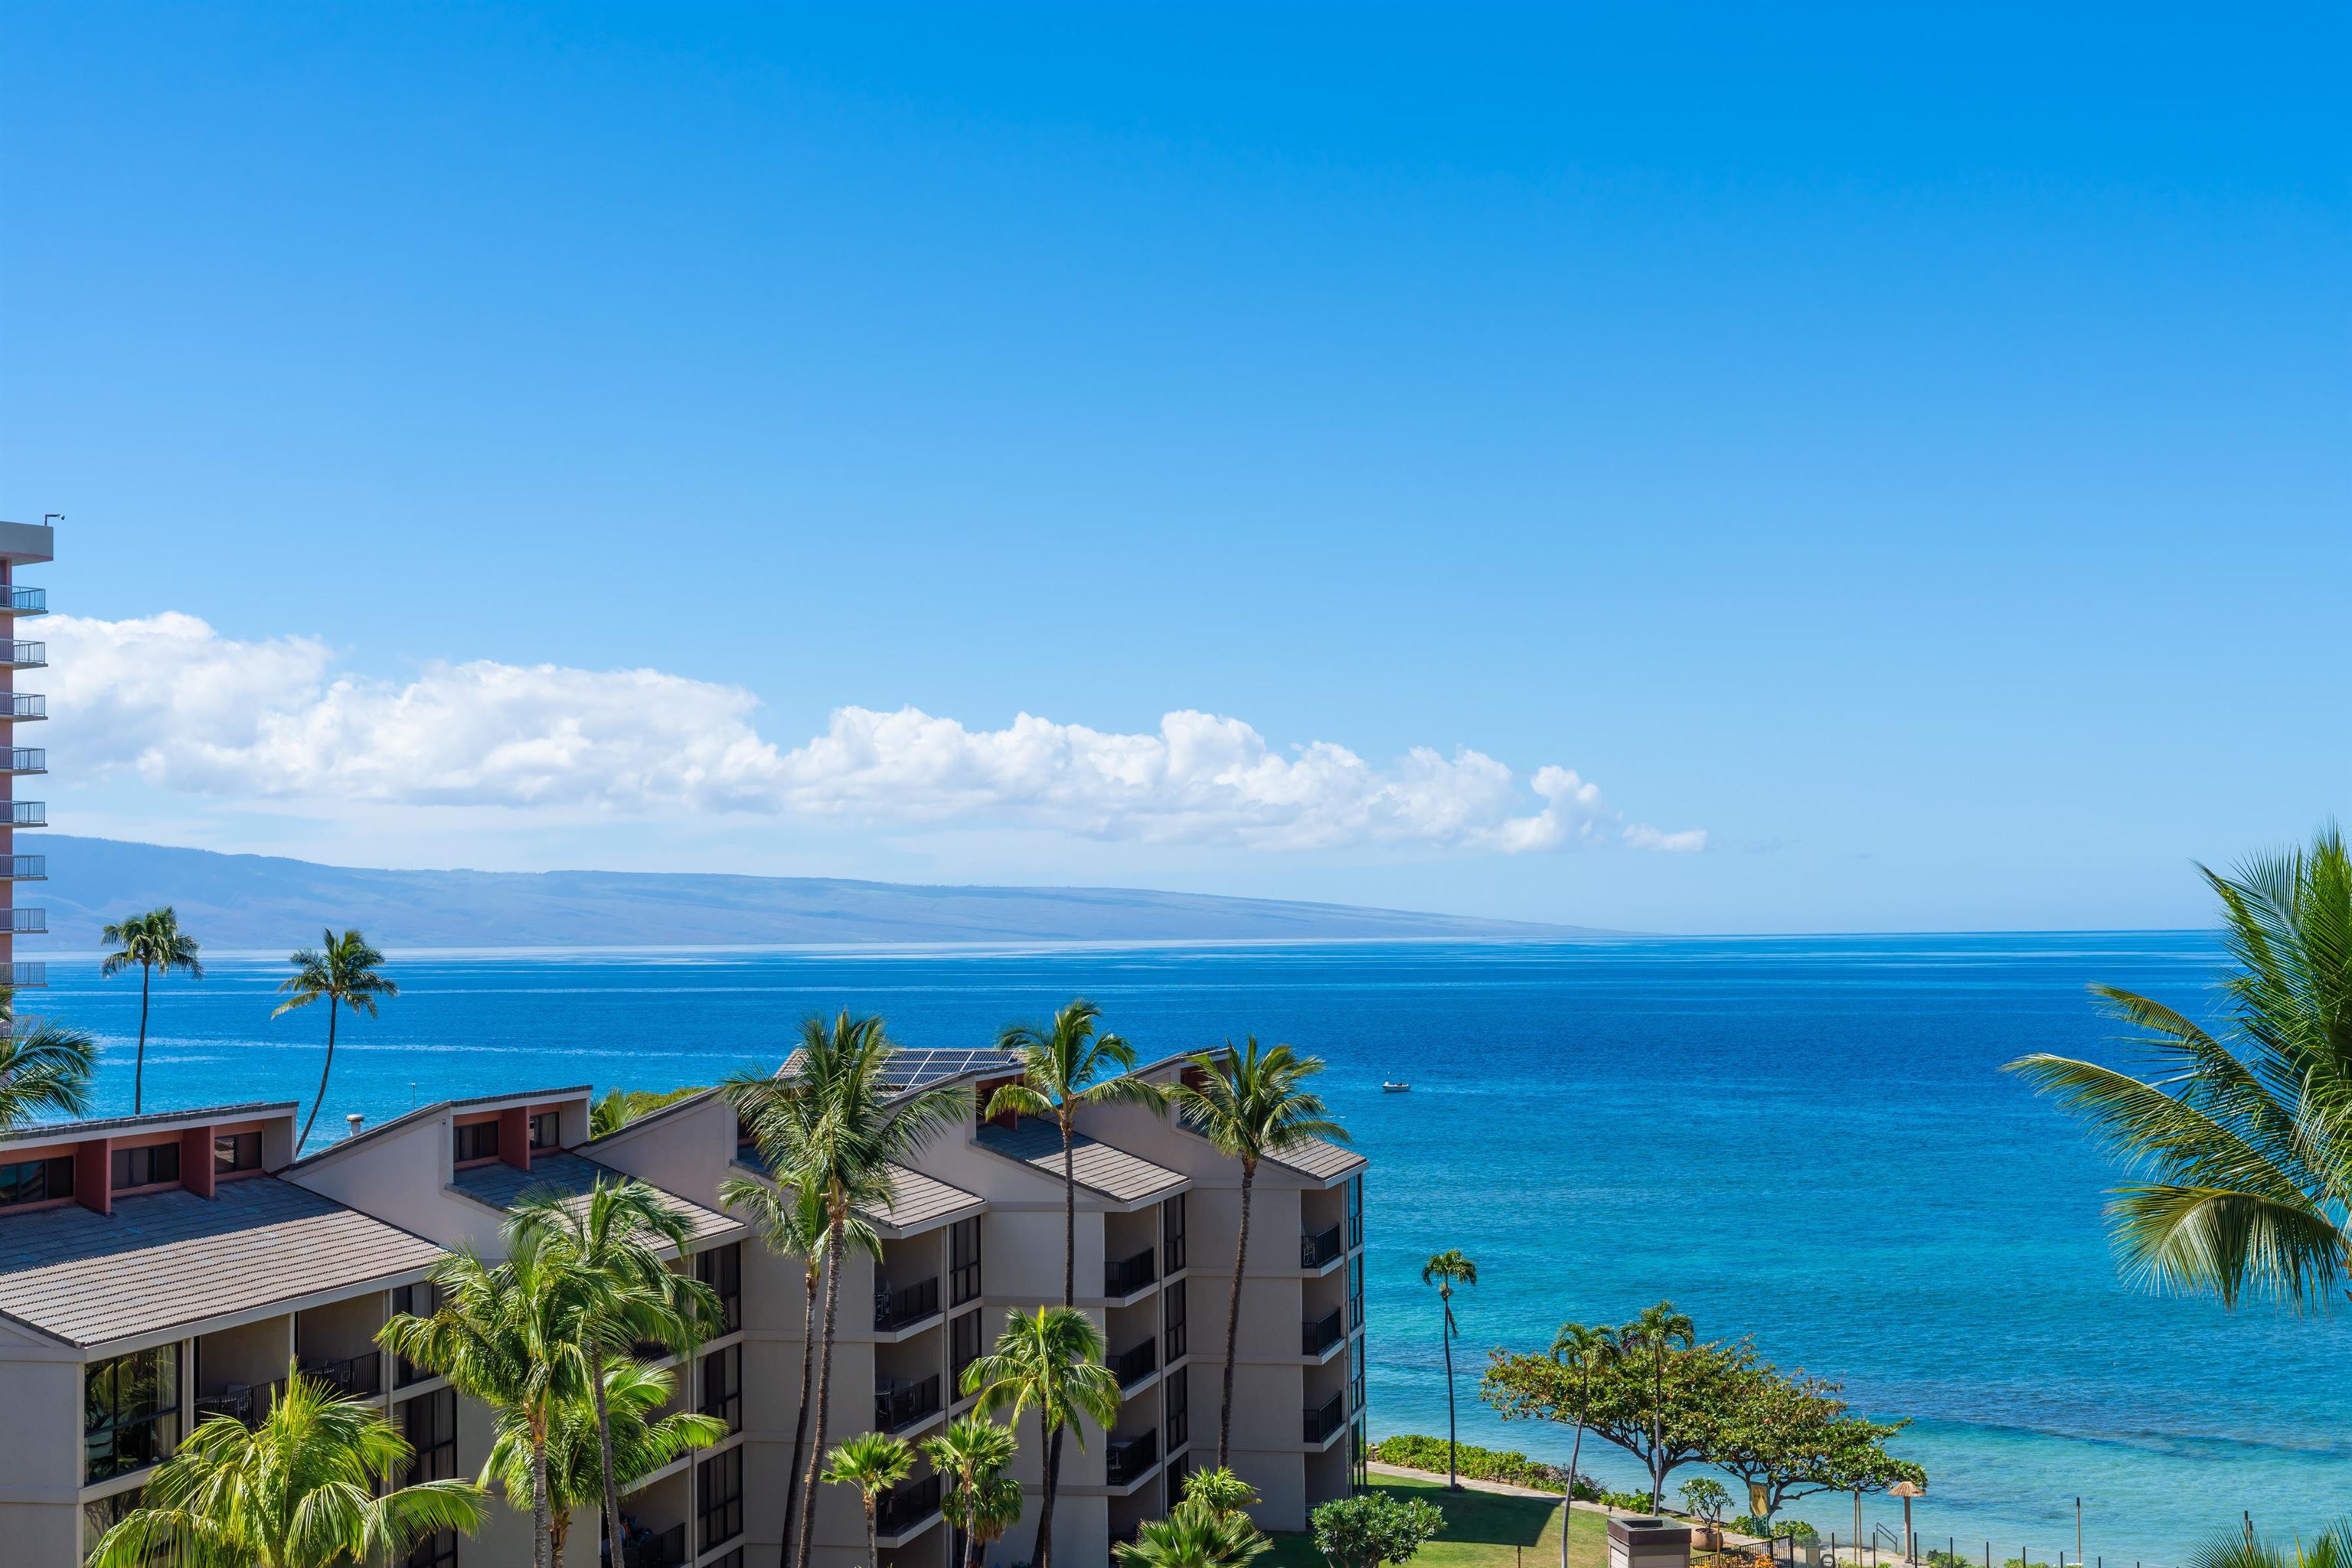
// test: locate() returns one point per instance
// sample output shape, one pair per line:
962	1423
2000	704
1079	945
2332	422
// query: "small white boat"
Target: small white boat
1389	1087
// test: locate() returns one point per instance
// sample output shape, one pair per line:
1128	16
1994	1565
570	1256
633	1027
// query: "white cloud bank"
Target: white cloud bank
190	710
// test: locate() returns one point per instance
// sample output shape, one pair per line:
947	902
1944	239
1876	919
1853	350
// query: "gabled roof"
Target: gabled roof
1113	1173
167	1259
1319	1158
503	1186
103	1126
917	1202
439	1106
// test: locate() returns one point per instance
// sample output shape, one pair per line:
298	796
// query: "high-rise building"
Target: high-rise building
22	544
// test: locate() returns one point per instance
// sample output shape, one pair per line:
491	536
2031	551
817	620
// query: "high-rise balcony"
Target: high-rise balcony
28	921
24	705
23	814
24	867
16	601
23	760
27	976
16	654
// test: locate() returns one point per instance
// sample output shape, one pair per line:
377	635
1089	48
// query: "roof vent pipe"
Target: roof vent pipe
354	1121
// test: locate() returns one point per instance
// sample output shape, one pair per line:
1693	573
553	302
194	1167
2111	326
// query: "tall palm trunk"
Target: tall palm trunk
559	1531
873	1537
1069	1223
1446	1334
1657	1417
542	1524
138	1072
604	1445
824	1383
323	1071
1234	1319
1568	1500
799	1424
1051	1443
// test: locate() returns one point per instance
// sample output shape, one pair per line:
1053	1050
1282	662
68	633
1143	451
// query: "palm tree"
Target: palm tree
1051	1361
792	1222
639	1441
307	1487
873	1462
153	941
1195	1538
1446	1270
836	1127
613	1237
970	1456
42	1068
2246	1136
1653	1335
504	1335
343	971
1248	1106
618	1107
1061	1069
1585	1351
2332	1548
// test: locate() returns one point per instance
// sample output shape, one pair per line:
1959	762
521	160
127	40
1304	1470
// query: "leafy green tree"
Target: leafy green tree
1372	1528
617	1107
1219	1490
873	1462
1050	1362
833	1125
790	1222
153	942
613	1239
1792	1437
1446	1270
43	1067
1249	1105
343	969
971	1457
312	1486
639	1440
1704	1499
1063	1068
2246	1136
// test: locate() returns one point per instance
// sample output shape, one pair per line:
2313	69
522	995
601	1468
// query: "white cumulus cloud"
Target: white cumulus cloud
188	709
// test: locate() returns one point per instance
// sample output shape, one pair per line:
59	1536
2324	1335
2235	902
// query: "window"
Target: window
1356	1375
721	1268
429	1422
546	1130
1355	1212
718	1498
146	1167
37	1180
963	1349
418	1300
1174	1347
1355	1293
1178	1470
233	1152
1179	1399
131	1412
1171	1234
98	1517
723	1386
476	1141
963	1262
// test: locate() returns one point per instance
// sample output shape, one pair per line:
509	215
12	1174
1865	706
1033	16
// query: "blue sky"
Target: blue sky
1905	445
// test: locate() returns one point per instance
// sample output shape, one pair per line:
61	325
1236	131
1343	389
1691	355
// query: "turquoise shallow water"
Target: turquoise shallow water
1801	1139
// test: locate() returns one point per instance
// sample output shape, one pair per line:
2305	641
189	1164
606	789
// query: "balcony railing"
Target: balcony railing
27	974
25	759
1320	1335
1326	1419
1123	1462
24	705
902	1508
23	814
240	1402
1131	1367
899	1404
18	601
25	868
1126	1275
354	1377
19	655
1315	1251
897	1309
666	1550
29	920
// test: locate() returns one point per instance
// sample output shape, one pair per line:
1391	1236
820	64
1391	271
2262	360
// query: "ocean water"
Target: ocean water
1803	1140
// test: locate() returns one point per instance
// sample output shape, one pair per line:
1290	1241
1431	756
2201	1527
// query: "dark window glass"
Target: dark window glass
146	1167
1178	1397
1355	1293
1355	1377
37	1180
1175	1345
477	1140
98	1517
723	1386
546	1130
420	1300
130	1411
963	1349
721	1268
1171	1233
237	1151
963	1262
1355	1212
718	1498
429	1422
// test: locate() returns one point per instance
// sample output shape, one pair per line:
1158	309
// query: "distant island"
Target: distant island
262	901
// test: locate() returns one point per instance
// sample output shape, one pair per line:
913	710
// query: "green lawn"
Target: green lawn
1483	1529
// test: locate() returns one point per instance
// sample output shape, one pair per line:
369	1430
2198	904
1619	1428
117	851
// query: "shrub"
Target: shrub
1779	1529
1414	1452
1373	1528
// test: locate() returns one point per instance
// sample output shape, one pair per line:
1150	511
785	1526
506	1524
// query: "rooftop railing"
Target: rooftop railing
1124	1461
1126	1275
24	758
1321	1334
1326	1418
25	868
1315	1251
24	705
1133	1367
24	600
19	655
897	1309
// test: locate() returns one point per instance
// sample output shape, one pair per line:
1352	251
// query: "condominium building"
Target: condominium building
22	544
156	1270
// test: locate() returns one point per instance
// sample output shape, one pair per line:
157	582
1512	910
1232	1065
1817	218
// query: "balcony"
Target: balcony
24	975
15	654
24	758
899	1405
16	601
1320	1335
1315	1251
354	1377
24	867
28	921
244	1403
666	1550
1323	1423
1126	1275
903	1508
23	814
1133	1367
894	1309
1126	1462
25	705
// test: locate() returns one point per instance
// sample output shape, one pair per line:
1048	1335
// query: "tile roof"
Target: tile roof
1319	1158
917	1200
65	1131
426	1113
167	1259
1113	1173
503	1186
